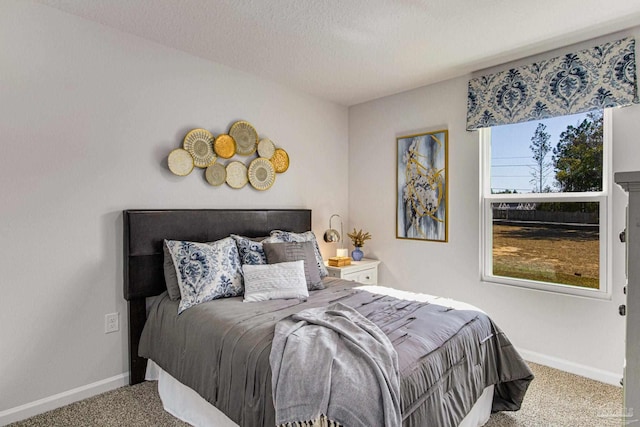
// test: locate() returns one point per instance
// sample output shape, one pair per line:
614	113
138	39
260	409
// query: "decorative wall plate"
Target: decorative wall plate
180	162
261	174
266	148
236	175
225	146
199	143
216	174
245	136
280	160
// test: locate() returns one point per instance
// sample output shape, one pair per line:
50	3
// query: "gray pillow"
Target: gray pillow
307	236
296	251
170	276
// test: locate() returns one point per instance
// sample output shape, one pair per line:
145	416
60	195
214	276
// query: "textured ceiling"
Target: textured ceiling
351	51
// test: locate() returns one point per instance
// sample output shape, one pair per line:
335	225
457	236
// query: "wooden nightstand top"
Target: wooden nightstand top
363	264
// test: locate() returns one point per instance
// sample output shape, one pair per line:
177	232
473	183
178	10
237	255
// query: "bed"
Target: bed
144	232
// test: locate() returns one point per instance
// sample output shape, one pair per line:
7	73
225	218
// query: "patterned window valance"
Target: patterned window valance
600	77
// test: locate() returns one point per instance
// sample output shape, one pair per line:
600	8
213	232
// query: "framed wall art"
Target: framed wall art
422	186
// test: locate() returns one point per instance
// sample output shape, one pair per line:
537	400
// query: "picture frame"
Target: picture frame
422	207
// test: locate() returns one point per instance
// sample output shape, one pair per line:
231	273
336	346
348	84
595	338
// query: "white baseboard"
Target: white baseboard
607	377
61	399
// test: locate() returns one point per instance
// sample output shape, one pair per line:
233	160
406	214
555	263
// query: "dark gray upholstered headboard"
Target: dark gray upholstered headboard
144	231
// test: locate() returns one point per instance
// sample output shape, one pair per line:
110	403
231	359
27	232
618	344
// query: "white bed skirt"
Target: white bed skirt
185	404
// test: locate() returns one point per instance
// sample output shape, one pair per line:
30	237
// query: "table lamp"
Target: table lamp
332	236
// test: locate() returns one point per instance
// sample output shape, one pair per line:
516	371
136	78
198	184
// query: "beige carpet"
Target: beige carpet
554	399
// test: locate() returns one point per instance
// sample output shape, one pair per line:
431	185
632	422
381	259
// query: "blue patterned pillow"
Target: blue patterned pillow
251	251
206	271
307	236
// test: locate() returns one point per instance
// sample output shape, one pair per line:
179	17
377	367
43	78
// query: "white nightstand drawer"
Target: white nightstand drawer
365	271
368	277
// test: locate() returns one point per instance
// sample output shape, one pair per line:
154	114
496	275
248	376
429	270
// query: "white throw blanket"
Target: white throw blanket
332	366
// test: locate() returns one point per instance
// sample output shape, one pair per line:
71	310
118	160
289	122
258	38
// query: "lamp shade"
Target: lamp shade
331	236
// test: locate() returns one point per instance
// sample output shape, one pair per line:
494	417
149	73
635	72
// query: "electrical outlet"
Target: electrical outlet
111	323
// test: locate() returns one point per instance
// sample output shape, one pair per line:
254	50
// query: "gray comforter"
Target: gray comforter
446	357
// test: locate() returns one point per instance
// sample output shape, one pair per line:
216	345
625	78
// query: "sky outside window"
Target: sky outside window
512	161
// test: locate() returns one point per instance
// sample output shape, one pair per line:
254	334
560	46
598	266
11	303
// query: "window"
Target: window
545	204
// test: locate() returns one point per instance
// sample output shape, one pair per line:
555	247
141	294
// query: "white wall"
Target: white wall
581	335
88	117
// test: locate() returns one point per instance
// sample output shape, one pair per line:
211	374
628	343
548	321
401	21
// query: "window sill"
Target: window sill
557	289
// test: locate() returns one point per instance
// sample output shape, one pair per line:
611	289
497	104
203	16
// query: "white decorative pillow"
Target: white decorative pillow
206	271
307	236
274	281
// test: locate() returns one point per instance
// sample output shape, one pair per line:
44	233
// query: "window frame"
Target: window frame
605	230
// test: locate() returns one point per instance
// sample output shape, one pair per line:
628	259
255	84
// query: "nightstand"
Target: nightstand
364	271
